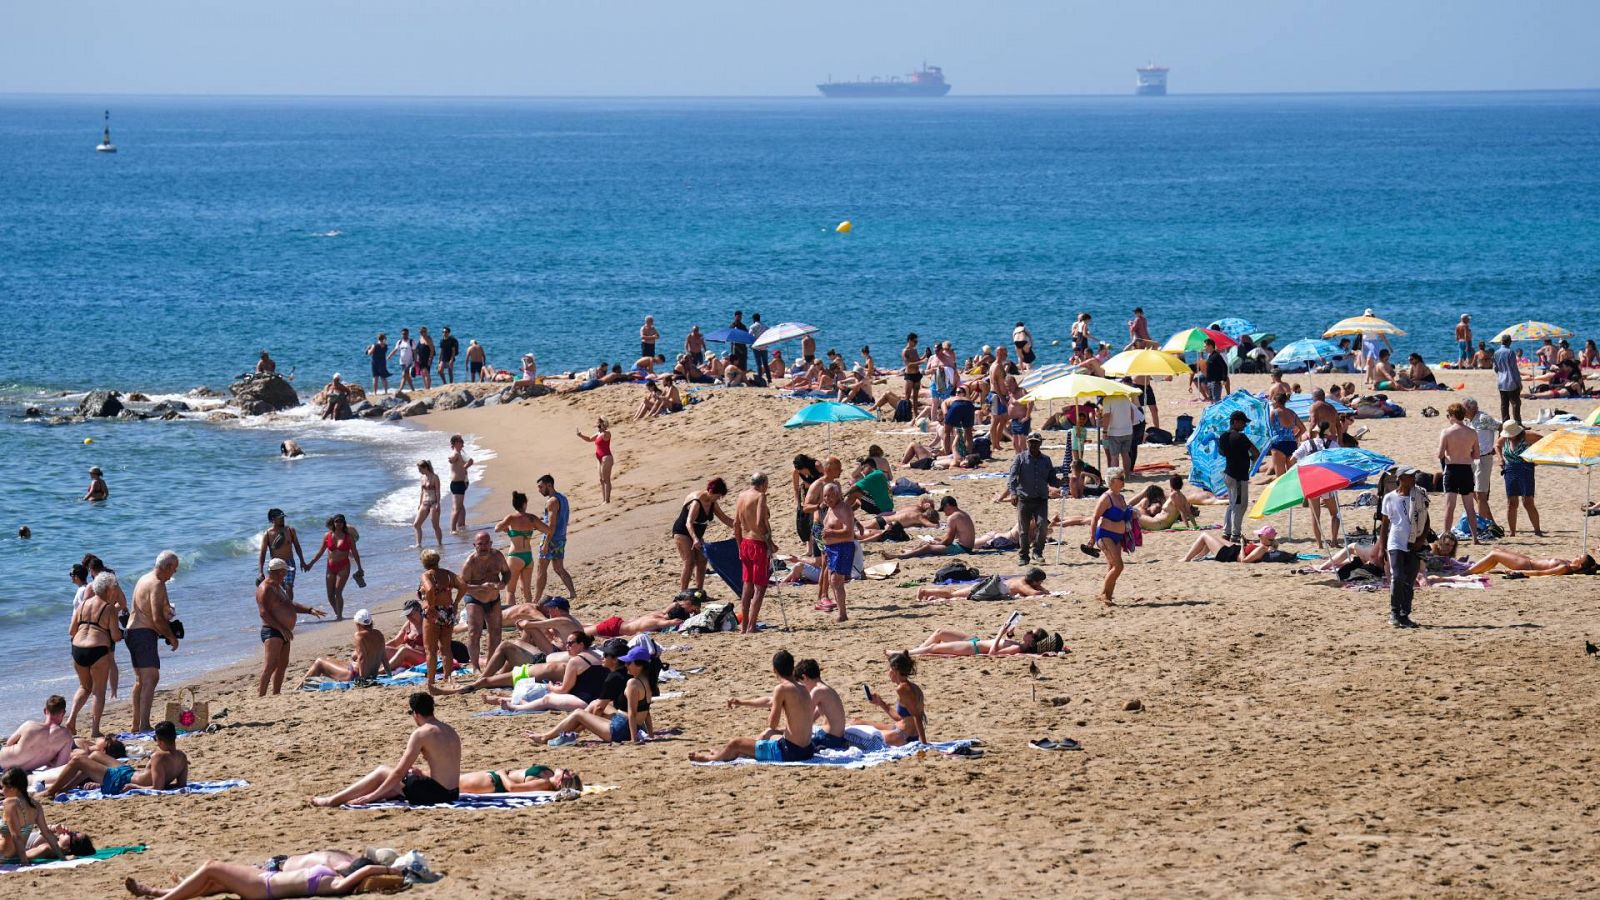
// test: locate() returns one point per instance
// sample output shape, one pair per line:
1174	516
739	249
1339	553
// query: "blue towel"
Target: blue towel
854	758
475	801
197	787
416	675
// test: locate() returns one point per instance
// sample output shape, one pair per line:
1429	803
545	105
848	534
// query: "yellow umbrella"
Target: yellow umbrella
1575	446
1145	362
1077	384
1363	325
1532	331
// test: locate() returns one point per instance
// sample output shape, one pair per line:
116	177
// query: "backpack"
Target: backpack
1183	430
981	448
1157	436
955	571
902	411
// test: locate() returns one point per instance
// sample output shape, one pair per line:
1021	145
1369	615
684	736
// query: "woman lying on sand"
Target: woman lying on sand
517	781
254	883
909	712
945	642
1030	584
1516	562
1212	545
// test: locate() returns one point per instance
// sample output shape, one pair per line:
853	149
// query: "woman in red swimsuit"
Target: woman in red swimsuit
602	452
340	545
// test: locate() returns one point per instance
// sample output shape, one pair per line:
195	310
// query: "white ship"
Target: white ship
1152	81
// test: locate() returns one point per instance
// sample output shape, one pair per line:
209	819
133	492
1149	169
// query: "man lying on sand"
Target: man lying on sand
683	607
167	768
1029	584
436	743
39	745
826	706
366	658
788	734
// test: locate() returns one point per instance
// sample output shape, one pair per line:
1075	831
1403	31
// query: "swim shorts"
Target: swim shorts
619	728
116	780
1021	426
553	550
955	550
782	750
755	563
960	414
609	628
1458	478
841	557
268	633
420	790
458	487
142	648
822	740
521	673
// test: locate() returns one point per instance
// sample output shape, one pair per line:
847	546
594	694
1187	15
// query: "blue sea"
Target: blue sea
304	226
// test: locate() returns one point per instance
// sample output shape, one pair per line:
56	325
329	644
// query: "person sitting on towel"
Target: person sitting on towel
826	706
910	713
788	734
437	744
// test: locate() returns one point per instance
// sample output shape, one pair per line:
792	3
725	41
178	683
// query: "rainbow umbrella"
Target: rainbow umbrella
1193	340
1306	480
1532	331
1575	446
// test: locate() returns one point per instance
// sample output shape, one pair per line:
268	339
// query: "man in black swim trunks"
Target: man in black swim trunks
449	349
459	464
277	625
437	744
485	573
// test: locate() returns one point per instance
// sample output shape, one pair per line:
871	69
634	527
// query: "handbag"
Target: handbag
189	713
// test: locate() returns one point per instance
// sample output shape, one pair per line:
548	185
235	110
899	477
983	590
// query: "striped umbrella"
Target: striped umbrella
1193	340
1532	331
1576	446
1363	325
1304	481
1306	350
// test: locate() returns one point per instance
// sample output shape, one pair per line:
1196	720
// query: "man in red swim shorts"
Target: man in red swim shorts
752	526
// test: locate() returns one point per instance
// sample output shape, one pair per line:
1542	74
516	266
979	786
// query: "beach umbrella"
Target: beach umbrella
1306	350
827	412
1145	362
1040	374
786	331
1532	331
1300	405
1233	326
1193	340
730	336
1363	325
1075	385
1576	446
1594	417
1205	463
1319	473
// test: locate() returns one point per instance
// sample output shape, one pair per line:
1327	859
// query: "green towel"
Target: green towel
7	865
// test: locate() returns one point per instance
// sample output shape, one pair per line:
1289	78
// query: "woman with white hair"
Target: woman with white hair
94	630
1110	525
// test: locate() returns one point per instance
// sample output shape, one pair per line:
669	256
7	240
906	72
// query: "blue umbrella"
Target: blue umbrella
1205	463
1306	350
1369	463
731	336
827	412
1300	405
1233	327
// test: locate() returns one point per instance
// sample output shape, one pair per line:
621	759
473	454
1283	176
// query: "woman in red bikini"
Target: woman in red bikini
602	453
340	545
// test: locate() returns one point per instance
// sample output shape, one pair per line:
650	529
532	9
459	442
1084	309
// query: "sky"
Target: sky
745	48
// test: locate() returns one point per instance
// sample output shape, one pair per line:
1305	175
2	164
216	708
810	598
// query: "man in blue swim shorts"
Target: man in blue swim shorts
827	709
788	734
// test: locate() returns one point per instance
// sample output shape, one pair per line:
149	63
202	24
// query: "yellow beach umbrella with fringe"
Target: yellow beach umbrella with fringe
1078	384
1575	446
1154	363
1532	331
1364	325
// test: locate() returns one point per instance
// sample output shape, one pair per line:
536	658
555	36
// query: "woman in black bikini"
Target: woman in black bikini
689	531
806	471
94	629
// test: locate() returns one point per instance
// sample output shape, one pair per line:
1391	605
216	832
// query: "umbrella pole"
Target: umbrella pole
1588	492
1291	523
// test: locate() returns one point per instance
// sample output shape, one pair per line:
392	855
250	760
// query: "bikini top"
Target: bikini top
95	622
1115	513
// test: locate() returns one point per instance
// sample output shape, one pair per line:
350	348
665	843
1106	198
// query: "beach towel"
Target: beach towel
412	677
502	713
974	476
197	787
856	758
132	736
98	855
524	800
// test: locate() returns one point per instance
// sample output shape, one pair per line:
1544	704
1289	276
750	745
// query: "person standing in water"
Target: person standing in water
97	485
602	453
279	541
460	463
427	503
553	552
277	611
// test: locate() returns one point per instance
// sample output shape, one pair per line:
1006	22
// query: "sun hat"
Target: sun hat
416	868
277	565
1266	531
1511	429
364	618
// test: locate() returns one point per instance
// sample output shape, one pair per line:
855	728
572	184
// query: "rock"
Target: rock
166	406
453	400
203	391
523	390
490	400
1132	706
220	416
476	403
138	398
414	408
393	415
260	394
32	412
100	405
372	412
65	420
401	396
169	415
129	414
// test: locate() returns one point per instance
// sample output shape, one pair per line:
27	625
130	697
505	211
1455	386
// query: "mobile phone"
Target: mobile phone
867	689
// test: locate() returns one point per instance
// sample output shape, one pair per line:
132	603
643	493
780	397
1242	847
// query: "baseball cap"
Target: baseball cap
412	606
364	617
638	654
556	602
277	565
614	648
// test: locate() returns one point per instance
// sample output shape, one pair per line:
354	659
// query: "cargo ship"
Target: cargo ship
1152	81
926	82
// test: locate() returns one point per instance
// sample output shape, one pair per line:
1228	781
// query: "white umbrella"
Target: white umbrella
786	331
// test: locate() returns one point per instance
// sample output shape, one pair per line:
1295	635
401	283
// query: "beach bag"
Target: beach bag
1183	430
902	411
1157	436
189	713
981	448
712	617
991	588
955	571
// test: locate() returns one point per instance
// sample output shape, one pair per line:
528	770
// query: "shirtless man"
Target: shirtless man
827	708
279	541
959	535
752	528
102	765
1323	411
788	734
366	658
884	527
277	611
39	745
648	335
485	574
459	464
553	551
1458	453
839	532
538	650
149	621
832	468
476	362
912	373
436	743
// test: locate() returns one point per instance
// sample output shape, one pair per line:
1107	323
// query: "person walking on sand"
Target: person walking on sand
340	545
1031	477
460	464
427	503
378	352
449	349
1458	453
648	336
789	723
1464	341
440	591
553	552
95	631
485	575
279	541
1508	379
752	528
149	620
689	530
1239	455
1403	533
435	743
839	532
520	528
601	439
404	356
277	611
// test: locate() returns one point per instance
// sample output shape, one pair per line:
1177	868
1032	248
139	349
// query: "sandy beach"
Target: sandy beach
1285	740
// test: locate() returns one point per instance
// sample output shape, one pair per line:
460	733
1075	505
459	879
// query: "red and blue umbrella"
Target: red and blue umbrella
1318	474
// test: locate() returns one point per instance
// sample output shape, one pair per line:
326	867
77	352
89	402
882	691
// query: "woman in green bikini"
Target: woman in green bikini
520	528
517	781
